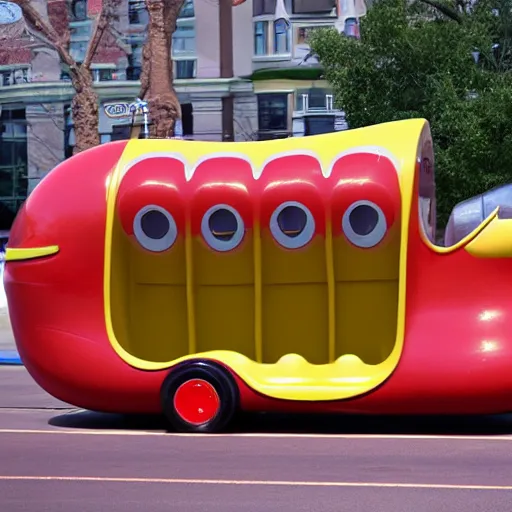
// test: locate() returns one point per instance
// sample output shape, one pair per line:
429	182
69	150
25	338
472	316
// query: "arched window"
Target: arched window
281	37
427	193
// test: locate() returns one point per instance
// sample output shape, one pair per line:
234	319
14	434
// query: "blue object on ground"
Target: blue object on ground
10	357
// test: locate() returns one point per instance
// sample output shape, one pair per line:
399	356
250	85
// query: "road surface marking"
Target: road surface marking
146	433
87	432
281	483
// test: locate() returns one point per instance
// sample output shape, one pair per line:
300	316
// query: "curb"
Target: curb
10	358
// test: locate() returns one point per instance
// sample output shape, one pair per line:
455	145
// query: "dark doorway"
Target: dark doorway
13	164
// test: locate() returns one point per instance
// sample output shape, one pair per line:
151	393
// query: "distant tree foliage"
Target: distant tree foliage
417	60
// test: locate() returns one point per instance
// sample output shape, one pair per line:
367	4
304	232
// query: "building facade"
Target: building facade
278	88
293	98
36	128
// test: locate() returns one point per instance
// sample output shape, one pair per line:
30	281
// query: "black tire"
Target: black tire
216	376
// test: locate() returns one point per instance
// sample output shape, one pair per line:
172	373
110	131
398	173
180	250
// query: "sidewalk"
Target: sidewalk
6	337
8	353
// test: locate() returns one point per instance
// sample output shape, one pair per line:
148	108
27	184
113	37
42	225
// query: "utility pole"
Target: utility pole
226	65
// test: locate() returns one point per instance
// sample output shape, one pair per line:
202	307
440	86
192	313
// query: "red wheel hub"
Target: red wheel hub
196	401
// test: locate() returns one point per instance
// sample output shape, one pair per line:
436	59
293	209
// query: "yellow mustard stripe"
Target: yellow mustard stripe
331	289
112	188
493	242
258	294
20	254
464	241
190	290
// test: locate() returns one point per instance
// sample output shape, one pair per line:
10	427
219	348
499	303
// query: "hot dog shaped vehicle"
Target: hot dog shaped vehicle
296	275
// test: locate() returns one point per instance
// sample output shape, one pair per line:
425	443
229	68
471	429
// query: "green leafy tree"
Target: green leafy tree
417	60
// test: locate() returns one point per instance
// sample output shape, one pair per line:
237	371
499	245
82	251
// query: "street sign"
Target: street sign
117	110
122	109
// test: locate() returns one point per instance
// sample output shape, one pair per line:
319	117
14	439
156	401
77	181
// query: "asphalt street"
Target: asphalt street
55	458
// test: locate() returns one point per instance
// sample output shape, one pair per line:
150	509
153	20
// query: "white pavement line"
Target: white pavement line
282	483
146	433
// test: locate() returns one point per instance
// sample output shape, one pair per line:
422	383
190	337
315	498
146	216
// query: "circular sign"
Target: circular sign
9	13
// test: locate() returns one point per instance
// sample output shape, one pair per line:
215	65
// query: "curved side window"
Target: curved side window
222	228
154	228
427	197
292	225
364	224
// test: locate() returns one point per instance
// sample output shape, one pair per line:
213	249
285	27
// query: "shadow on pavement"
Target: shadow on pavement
310	424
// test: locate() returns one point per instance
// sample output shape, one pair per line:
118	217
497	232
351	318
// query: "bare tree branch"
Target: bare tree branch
52	118
146	70
35	19
444	9
96	36
44	144
84	105
103	22
246	134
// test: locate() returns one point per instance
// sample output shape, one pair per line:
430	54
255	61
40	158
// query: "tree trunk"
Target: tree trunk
157	73
84	107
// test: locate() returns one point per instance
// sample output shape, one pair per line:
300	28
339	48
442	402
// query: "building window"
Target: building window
13	125
69	132
103	75
260	38
302	48
137	12
313	99
80	33
273	112
13	164
184	37
120	132
303	33
187	11
184	69
79	10
314	6
281	37
187	119
278	44
133	73
77	50
134	68
184	40
300	7
316	125
184	49
317	98
80	30
263	7
14	76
